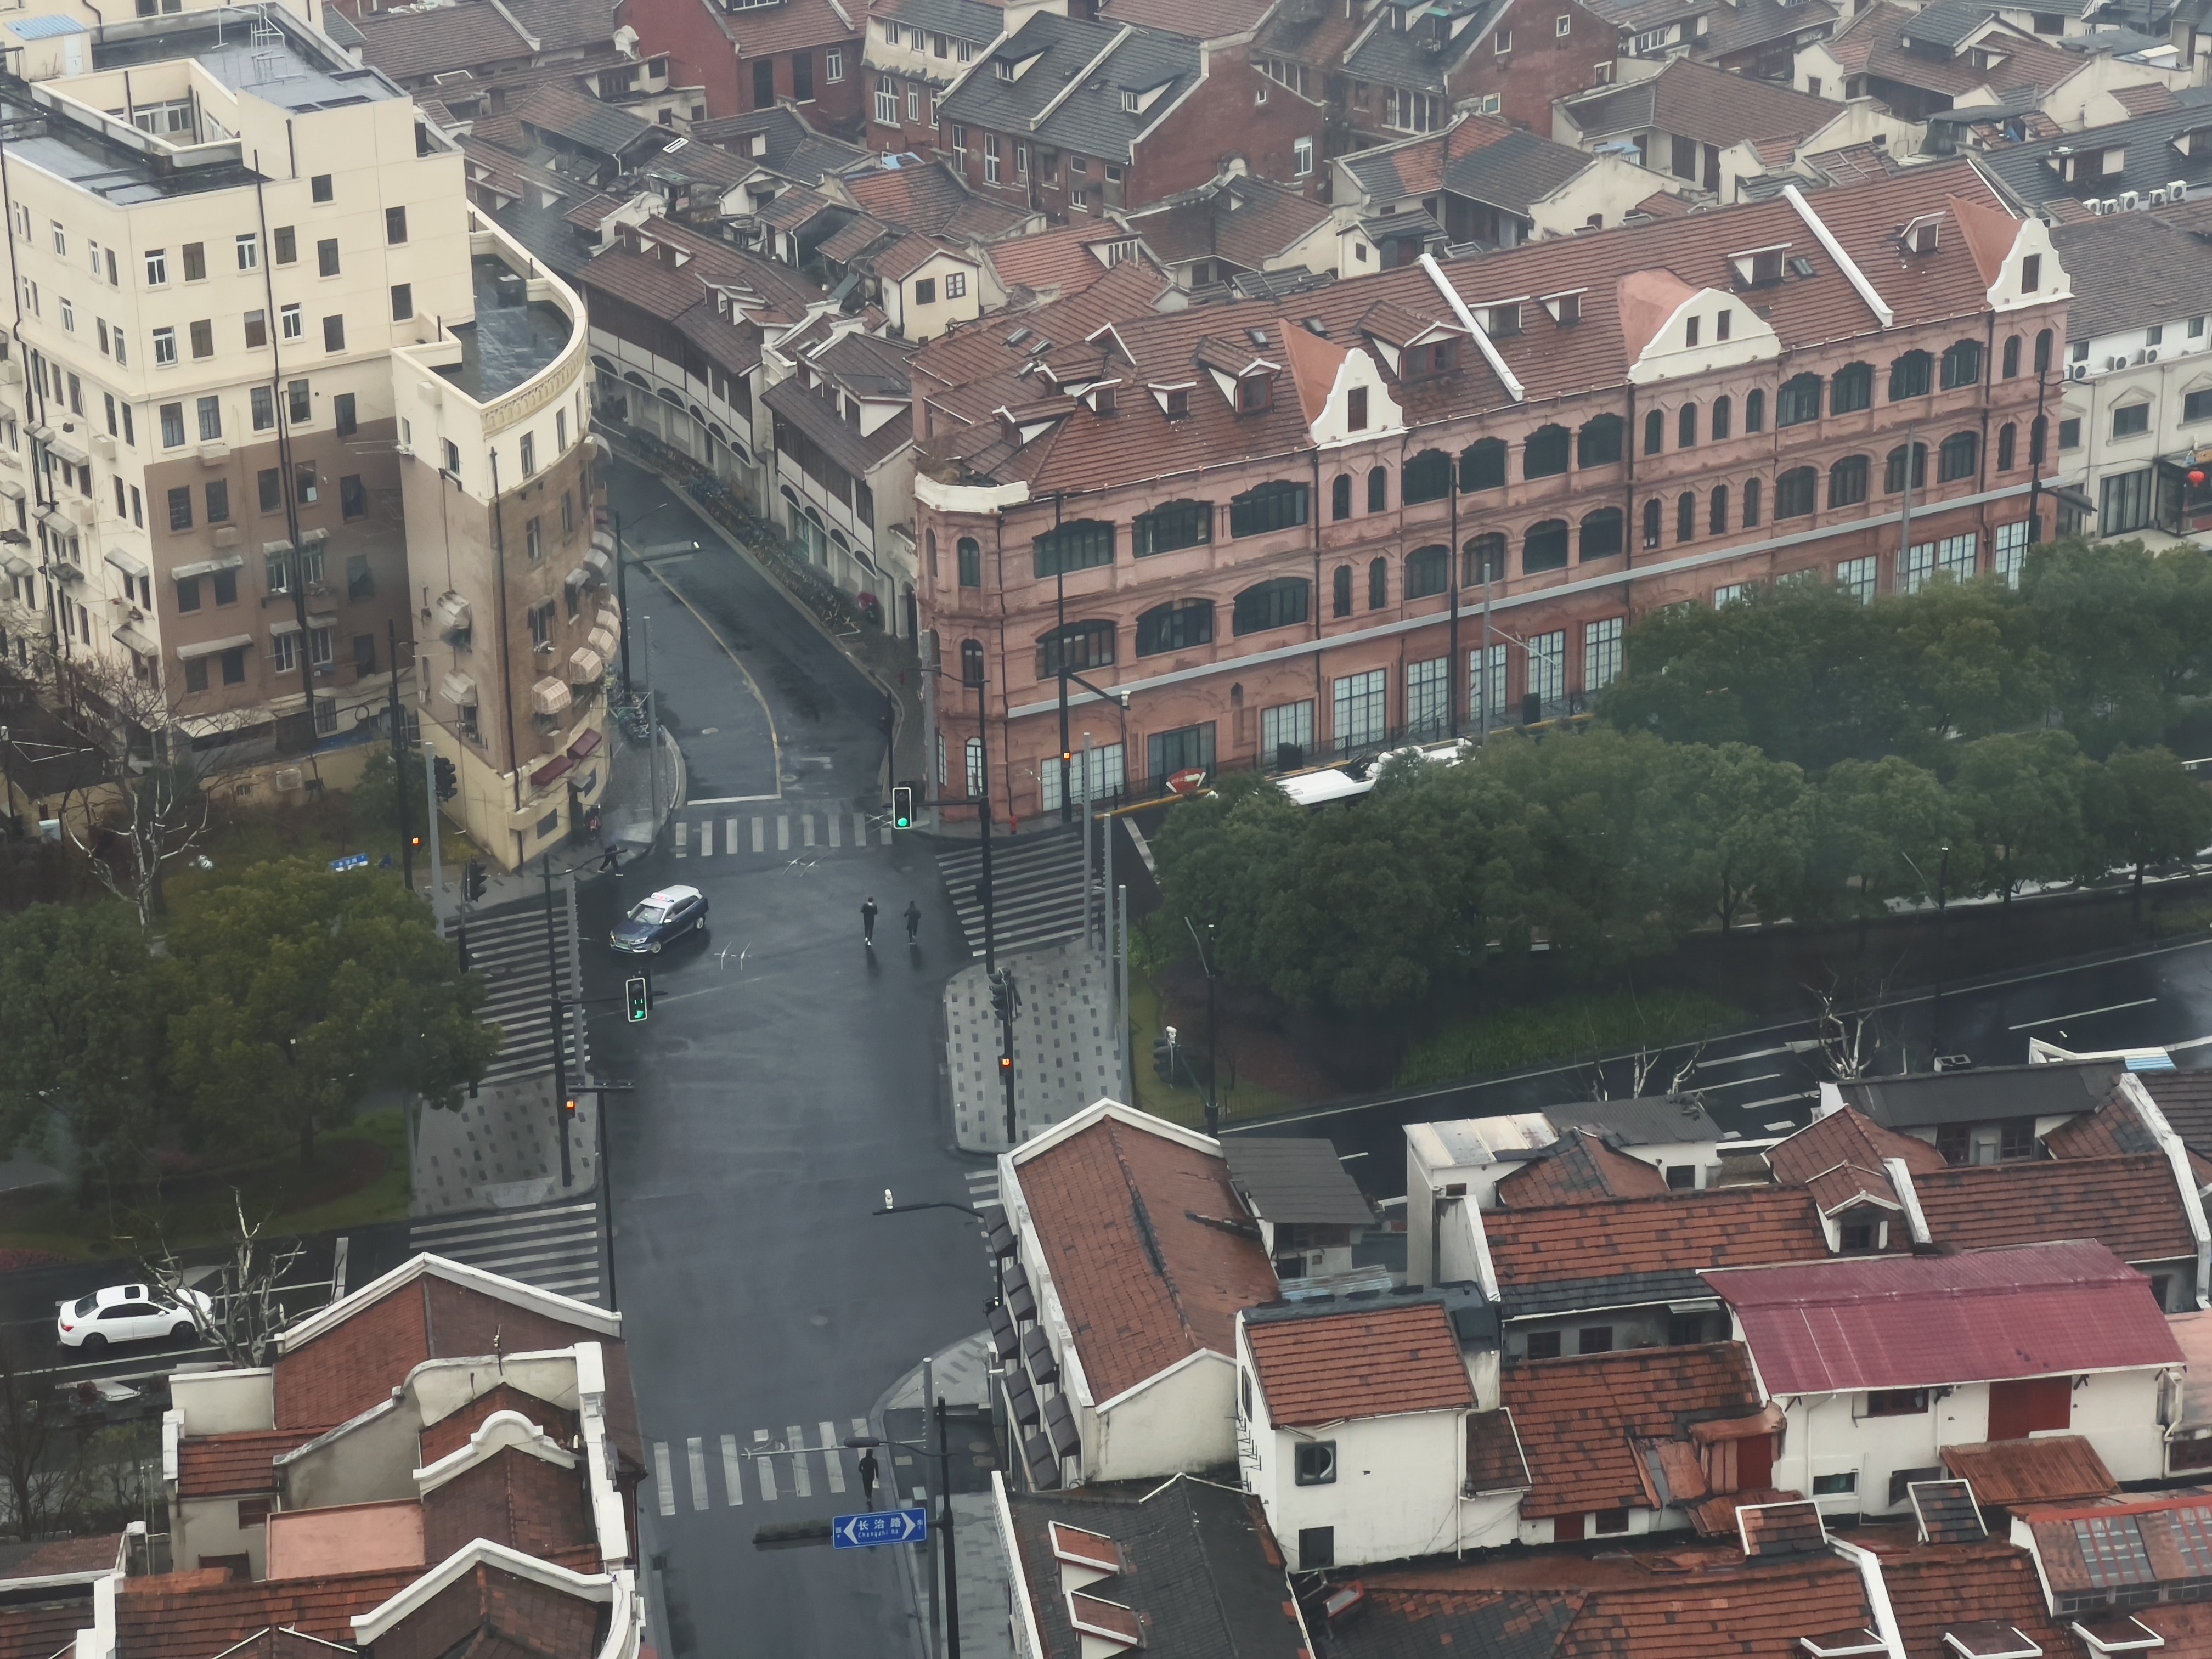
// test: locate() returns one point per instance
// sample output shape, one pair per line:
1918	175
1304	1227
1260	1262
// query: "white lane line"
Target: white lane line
806	827
833	1456
339	1269
2083	1013
760	835
783	832
683	834
1737	1083
765	1468
836	829
695	1453
733	1470
730	837
795	1437
663	1479
707	839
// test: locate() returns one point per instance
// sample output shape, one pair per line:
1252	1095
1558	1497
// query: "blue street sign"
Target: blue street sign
356	861
862	1532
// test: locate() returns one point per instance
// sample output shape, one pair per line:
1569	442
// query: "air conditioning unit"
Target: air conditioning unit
2078	372
2158	197
2115	362
103	446
2130	200
2177	190
404	449
2112	205
2150	356
289	778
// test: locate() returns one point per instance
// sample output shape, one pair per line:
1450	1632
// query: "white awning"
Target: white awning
133	569
601	641
214	647
548	696
19	566
459	689
68	452
11	489
600	559
131	638
578	579
585	666
208	566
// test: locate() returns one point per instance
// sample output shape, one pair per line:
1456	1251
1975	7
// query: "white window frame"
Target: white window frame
1860	578
1360	710
1494	707
2011	551
1426	698
1601	653
1108	769
1548	668
1302	149
833	65
1289	722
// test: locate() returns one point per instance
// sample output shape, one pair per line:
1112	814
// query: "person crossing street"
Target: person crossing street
912	921
868	921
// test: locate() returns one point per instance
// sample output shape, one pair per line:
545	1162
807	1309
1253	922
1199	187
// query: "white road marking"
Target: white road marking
833	1456
2083	1013
707	839
760	835
806	827
730	835
859	829
339	1269
836	829
683	834
887	832
1755	1053
765	1468
1738	1083
663	1478
697	1454
795	1437
783	832
732	1471
1778	1100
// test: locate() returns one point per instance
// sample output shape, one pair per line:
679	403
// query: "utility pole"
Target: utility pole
652	743
399	759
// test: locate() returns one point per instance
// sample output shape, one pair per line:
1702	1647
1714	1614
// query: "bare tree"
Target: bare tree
1642	1064
238	1308
1850	1039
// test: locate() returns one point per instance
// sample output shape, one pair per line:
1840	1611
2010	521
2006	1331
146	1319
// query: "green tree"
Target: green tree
302	990
1969	655
1220	856
2023	793
2129	634
376	799
77	1001
1883	828
2143	809
1742	829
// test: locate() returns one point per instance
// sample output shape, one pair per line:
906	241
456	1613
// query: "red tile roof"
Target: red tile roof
216	1465
1849	1136
2131	1204
1916	1321
2050	1469
95	1552
2113	1128
1935	1588
1575	1417
1579	1165
1610	1238
1368	1361
1143	1282
1055	262
196	1615
44	1630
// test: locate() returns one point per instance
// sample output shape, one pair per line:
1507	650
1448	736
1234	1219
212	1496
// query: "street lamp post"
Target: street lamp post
943	1456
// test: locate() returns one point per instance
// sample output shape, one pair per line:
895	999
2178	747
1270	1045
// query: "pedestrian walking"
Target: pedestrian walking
868	919
912	921
869	1469
612	858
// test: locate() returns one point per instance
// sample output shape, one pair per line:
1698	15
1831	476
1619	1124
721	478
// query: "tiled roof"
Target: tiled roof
1198	20
216	1465
1681	1230
1873	43
1700	101
2184	1098
407	44
94	1552
2138	1538
1142	1283
2114	1128
1409	57
1091	120
569	113
1937	1587
2130	272
1924	1099
1055	262
853	238
1576	1166
794	25
2144	99
450	1433
2129	1203
1246	220
1740	27
1200	1570
1575	1417
563	25
1369	1361
1296	1178
791	147
921	197
858	453
1920	1322
2049	1470
1847	1137
1494	1459
198	1615
45	1629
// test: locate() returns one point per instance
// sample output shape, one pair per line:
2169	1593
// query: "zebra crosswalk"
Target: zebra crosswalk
508	949
1036	886
722	1471
983	1186
554	1247
776	834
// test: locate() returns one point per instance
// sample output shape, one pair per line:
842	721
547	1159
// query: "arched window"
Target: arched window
2012	357
1428	478
1852	390
1909	376
2036	435
1484	559
1278	603
1794	492
976	781
1340	587
1175	627
1956	459
1545	547
1655	432
933	552
1275	506
1652	522
1685	426
2043	352
1378	584
1685	516
1755	410
1601	534
1482	465
1598	444
1847	482
1170	525
1800	401
1751	503
971	662
1378	488
1339	497
1428	572
1892	472
1717	521
971	561
1546	455
1962	365
1079	544
1078	645
1723	418
2007	446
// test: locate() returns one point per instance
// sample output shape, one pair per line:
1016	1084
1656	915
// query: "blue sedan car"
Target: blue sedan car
656	920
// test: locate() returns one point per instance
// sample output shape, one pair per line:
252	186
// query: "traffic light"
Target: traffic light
415	842
569	1106
637	993
449	781
902	806
999	995
473	879
1006	1064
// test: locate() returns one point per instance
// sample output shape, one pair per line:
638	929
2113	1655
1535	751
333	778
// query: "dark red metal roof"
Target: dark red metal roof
1920	1322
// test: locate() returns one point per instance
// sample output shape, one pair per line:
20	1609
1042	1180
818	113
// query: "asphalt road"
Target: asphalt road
785	1078
1762	1083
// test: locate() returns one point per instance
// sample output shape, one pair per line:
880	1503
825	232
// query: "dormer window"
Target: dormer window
1179	404
1355	409
1565	308
1756	267
1003	68
1103	400
1424	362
1502	321
1254	392
1922	234
1128	100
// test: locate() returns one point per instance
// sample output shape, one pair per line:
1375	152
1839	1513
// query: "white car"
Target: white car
125	1313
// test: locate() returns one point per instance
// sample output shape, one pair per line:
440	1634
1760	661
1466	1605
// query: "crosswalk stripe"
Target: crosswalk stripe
554	1249
509	952
759	839
887	835
833	1456
836	829
663	1478
696	1455
783	832
466	1223
730	837
732	1471
806	827
707	840
683	839
801	1484
765	1468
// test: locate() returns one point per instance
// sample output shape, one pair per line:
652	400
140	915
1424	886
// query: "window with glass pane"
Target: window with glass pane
1278	603
1482	465
1956	459
971	562
1286	735
1428	571
1914	567
1362	710
1794	493
1909	376
1426	716
1546	455
1485	693
1859	578
1545	547
1176	627
1082	544
1106	770
1800	401
1078	647
1852	390
975	768
1600	653
1602	533
2012	550
1167	753
1598	443
1174	525
1483	560
1847	482
1548	668
1427	477
1962	365
1276	505
1959	555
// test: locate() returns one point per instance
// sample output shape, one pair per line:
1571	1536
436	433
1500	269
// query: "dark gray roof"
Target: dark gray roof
546	234
1291	1180
340	29
564	111
958	19
1203	1576
1946	23
1925	1099
2131	271
564	25
794	148
1091	121
1646	1121
1413	58
2031	172
854	450
1516	173
1474	1318
1566	1295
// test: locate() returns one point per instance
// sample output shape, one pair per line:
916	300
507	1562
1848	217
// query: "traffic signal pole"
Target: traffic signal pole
430	797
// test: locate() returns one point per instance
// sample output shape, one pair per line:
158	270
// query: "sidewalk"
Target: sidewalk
501	1150
1066	1052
